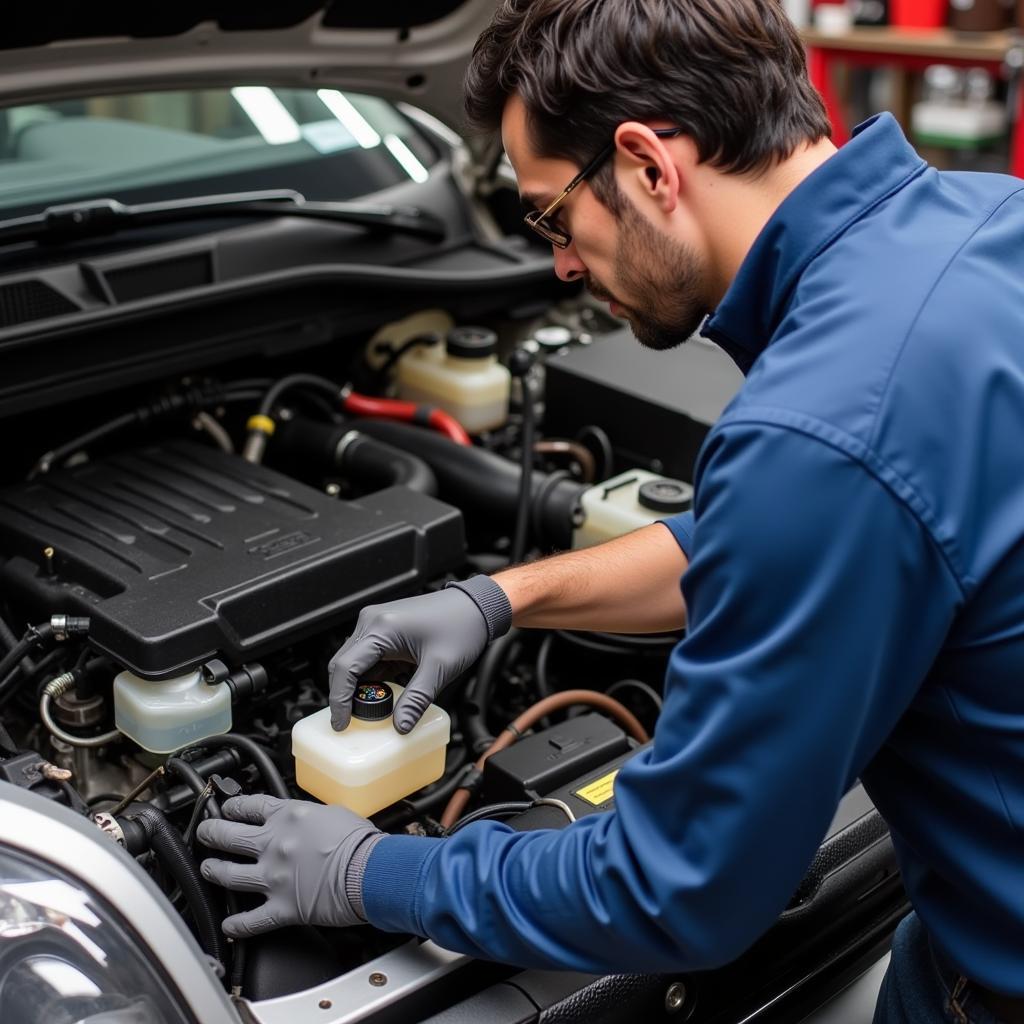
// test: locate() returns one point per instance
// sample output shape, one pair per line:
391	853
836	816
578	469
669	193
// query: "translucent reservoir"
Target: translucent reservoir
369	766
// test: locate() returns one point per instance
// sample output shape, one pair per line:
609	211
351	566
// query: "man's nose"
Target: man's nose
568	265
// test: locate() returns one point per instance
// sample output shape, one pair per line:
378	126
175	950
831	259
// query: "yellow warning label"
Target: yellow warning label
600	791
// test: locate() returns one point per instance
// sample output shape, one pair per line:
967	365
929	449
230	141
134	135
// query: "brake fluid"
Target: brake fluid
369	765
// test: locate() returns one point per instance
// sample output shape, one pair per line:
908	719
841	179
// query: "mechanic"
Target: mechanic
854	567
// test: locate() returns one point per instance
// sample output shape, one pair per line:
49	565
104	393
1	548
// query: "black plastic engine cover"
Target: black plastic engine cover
180	552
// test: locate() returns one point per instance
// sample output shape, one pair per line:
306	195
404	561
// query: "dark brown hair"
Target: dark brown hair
731	73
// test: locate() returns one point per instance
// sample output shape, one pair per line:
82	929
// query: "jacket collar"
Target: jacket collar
877	162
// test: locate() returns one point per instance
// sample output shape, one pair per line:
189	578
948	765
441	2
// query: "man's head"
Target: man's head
565	80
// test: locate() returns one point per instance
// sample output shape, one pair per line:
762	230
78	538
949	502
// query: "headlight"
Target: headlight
66	959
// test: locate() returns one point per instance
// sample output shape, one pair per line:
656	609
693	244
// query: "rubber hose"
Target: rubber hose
352	454
259	757
222	763
194	781
35	635
366	458
484	482
9	639
474	708
525	488
165	841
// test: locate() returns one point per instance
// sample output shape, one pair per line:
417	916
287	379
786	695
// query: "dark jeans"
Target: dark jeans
918	990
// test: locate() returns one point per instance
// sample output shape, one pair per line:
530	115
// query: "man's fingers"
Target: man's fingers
255	809
232	837
347	667
240	877
256	922
423	687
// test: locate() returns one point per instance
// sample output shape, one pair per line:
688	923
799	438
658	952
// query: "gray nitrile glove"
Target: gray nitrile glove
310	860
442	634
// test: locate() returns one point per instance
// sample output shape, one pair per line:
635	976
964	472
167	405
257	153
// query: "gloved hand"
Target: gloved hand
310	860
442	633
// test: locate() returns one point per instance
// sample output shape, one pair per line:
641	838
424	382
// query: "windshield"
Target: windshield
323	143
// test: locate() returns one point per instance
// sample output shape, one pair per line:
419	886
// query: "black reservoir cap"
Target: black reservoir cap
471	342
373	702
665	495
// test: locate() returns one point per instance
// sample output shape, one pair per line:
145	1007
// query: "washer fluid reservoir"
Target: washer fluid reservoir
627	502
463	377
167	714
369	765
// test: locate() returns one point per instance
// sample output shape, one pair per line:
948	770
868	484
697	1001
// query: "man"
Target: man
854	569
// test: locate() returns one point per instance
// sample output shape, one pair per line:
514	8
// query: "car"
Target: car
274	345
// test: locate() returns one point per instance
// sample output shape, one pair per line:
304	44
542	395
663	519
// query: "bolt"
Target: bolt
675	997
377	979
325	1004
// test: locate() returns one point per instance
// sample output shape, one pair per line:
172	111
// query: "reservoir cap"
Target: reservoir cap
471	342
373	701
665	496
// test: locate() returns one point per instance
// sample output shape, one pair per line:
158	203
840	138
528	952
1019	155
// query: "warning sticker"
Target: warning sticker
600	791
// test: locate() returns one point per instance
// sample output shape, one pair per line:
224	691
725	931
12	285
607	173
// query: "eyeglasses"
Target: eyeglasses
551	232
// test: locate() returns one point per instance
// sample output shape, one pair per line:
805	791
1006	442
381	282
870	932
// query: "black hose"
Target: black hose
260	758
523	502
353	454
604	445
195	782
641	687
504	810
381	464
165	841
8	638
180	797
544	687
474	707
306	380
483	482
35	635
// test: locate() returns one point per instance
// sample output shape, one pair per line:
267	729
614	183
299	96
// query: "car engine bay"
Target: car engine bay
209	486
176	577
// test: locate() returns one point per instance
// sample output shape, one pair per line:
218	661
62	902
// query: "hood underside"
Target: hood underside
410	50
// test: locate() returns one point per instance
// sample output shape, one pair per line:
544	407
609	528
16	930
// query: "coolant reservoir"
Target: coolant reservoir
463	377
369	766
627	502
167	714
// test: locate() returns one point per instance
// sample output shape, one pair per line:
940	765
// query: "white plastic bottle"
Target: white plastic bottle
463	377
164	715
627	502
369	765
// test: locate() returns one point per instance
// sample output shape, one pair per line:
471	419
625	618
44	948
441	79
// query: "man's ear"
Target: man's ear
657	171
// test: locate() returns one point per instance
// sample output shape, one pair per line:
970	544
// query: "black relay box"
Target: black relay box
655	407
574	762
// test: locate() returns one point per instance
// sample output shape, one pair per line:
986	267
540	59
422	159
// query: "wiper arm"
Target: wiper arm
106	216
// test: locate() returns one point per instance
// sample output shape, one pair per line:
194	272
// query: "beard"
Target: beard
663	275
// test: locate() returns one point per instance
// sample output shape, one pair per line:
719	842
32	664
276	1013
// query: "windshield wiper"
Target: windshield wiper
97	217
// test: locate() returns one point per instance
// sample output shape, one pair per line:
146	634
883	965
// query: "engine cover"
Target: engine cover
180	553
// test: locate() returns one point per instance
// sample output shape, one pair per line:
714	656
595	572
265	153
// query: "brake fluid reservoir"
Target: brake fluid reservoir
369	766
463	377
167	714
627	502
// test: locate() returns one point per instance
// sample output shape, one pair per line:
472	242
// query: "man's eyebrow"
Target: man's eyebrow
537	200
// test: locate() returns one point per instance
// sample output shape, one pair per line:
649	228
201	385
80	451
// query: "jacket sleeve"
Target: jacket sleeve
817	603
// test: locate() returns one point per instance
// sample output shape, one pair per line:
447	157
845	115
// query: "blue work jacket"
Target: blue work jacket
855	597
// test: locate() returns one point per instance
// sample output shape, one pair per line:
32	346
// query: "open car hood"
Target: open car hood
410	50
